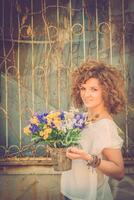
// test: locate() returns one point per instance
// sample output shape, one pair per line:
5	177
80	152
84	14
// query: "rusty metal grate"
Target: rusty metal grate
41	42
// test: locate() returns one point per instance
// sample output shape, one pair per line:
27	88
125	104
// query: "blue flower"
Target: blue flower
62	116
52	125
79	121
77	116
42	119
45	114
34	128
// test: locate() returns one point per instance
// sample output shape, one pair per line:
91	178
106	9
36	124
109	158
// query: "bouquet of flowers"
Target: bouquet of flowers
56	129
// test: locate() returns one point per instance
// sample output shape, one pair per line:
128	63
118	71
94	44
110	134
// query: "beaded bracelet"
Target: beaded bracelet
95	162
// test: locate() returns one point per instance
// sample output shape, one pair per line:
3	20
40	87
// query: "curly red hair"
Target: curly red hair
111	80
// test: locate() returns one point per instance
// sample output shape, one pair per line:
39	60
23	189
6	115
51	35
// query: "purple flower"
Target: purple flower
77	116
34	128
80	126
42	119
79	121
45	114
52	125
62	116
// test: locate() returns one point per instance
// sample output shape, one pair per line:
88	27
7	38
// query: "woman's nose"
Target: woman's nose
87	93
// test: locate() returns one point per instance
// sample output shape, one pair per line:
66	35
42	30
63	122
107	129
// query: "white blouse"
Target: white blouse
81	183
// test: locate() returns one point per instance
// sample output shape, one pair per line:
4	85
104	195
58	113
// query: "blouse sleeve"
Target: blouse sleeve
107	137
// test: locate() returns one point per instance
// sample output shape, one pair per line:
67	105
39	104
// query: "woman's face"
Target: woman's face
91	93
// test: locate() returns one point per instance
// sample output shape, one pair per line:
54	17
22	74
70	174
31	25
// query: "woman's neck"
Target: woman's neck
98	113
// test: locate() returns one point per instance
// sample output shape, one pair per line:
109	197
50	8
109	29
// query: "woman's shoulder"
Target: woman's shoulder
106	122
106	125
106	134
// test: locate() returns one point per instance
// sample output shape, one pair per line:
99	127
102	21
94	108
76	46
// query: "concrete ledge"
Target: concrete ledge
41	165
26	161
41	161
46	170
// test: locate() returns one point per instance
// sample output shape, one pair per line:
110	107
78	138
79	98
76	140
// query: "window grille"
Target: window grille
41	42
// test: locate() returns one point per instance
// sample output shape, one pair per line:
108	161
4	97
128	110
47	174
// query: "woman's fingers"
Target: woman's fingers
75	150
75	153
72	155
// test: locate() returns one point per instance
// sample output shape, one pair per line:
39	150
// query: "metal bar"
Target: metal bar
6	74
58	64
71	34
110	33
30	42
46	89
124	71
49	42
45	62
32	55
58	13
19	90
83	21
71	48
97	35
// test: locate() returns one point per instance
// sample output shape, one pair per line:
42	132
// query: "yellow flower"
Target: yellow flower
41	133
34	120
45	136
48	121
50	116
27	130
56	114
48	130
57	123
53	115
45	133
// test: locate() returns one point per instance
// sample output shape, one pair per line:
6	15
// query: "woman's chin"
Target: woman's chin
88	105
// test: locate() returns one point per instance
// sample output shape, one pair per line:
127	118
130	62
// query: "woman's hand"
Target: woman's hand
75	153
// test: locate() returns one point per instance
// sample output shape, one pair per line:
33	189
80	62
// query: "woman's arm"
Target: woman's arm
113	165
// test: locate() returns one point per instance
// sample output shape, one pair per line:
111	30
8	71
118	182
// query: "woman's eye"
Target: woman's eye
93	89
82	88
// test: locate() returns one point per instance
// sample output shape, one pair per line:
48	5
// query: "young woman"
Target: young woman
100	88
